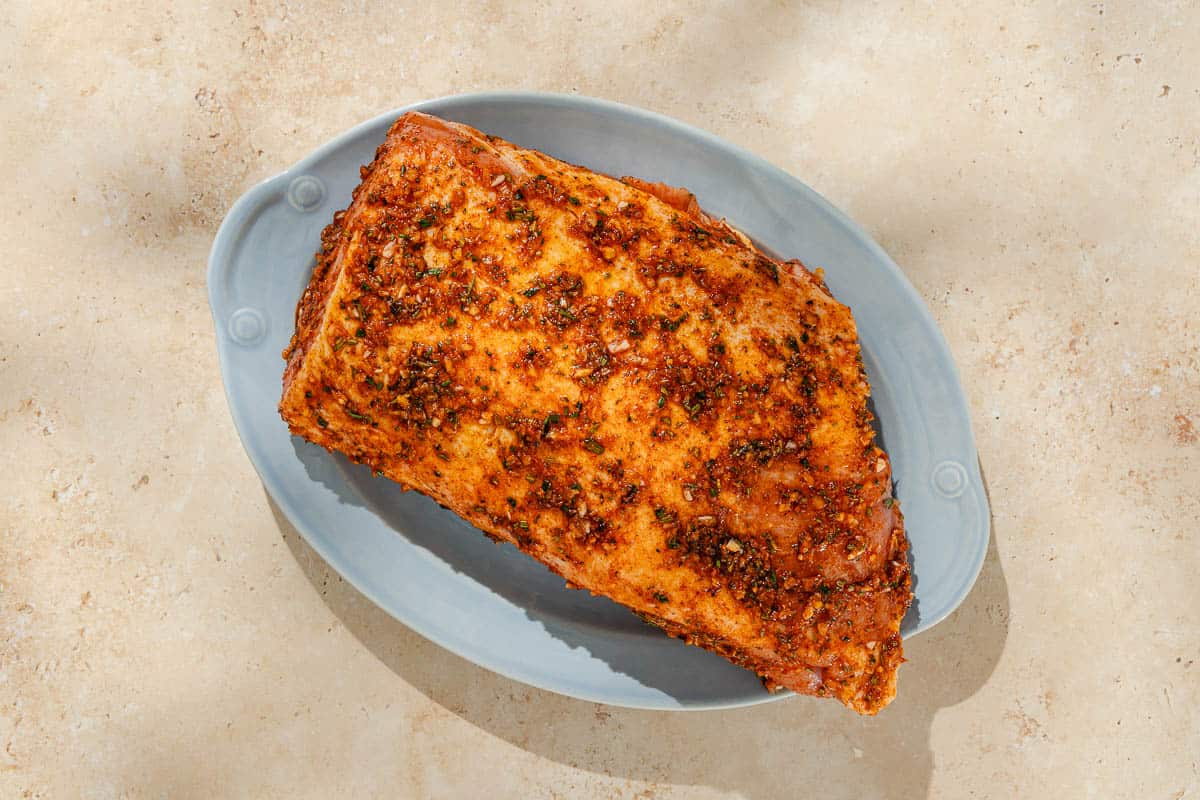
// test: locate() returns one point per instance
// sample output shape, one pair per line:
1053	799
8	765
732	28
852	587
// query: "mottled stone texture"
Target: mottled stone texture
1035	170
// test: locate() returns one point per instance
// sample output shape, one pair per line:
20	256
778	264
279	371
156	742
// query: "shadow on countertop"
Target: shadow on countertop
763	751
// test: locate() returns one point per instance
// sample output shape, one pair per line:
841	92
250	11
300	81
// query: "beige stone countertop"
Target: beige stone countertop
1034	168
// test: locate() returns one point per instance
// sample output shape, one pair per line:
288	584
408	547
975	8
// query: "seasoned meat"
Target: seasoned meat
623	387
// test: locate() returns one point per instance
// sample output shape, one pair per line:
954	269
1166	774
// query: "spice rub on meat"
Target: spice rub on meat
623	387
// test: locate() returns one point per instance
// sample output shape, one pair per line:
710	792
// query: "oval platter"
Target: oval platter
491	604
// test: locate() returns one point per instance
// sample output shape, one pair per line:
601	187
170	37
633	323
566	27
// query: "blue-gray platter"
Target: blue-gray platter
491	604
